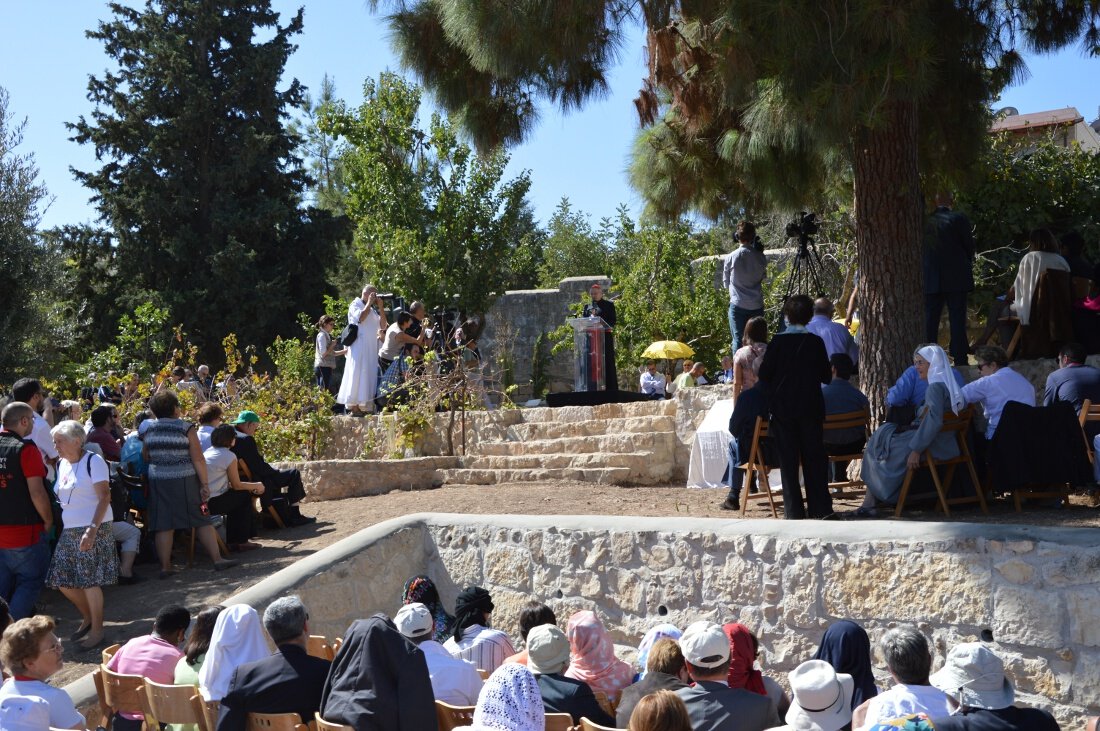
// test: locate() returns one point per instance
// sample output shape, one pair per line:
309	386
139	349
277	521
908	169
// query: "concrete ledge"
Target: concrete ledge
337	479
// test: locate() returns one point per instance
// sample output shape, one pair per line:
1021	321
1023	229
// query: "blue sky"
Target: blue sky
45	61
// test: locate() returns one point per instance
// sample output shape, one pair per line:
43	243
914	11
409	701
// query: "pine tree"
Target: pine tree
200	181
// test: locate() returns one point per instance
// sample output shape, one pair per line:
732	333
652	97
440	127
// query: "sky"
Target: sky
45	61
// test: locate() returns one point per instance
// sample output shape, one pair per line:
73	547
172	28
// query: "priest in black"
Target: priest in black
599	307
795	367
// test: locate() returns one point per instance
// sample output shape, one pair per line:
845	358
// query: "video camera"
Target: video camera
804	226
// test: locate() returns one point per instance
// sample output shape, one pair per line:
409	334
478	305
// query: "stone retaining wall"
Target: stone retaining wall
1033	588
337	479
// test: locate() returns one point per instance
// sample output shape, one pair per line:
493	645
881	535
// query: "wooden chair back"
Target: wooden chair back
483	673
587	725
275	722
211	709
323	725
109	652
849	420
123	693
318	646
173	704
757	464
607	704
336	645
1089	412
450	717
246	475
959	425
559	722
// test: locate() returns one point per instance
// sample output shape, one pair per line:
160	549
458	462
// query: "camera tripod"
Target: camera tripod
803	274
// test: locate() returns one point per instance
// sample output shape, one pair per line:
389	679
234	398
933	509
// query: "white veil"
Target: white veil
940	371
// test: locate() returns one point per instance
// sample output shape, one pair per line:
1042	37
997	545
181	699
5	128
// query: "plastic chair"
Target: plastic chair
173	704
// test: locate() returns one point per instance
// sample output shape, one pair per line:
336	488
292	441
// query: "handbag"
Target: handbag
349	333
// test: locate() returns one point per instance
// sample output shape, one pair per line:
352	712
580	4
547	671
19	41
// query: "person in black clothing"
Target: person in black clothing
752	402
1072	246
290	681
794	368
948	260
547	658
275	481
664	670
599	307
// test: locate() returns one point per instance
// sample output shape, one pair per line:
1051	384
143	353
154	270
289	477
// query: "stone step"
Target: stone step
587	460
661	443
531	431
603	412
603	476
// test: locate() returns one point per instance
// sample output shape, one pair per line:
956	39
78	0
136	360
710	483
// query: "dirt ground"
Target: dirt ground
129	609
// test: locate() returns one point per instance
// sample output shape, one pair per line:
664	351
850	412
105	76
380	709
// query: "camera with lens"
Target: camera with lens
805	225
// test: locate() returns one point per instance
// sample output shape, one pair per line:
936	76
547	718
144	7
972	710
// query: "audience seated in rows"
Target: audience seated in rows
744	649
548	657
210	416
664	670
238	638
532	615
660	711
822	698
454	680
847	649
105	432
153	656
290	681
996	385
197	645
593	658
907	394
649	639
907	657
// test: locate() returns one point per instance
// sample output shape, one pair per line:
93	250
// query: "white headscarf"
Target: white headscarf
510	701
940	371
238	638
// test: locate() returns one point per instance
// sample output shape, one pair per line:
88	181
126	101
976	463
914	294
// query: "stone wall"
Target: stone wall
337	479
1033	588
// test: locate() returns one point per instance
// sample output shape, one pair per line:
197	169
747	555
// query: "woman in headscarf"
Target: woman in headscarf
379	681
238	638
472	639
744	649
509	701
657	632
893	449
847	648
422	589
593	658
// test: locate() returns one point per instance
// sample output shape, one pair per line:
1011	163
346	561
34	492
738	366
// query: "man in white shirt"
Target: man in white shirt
997	385
836	336
652	382
454	681
909	662
30	392
473	639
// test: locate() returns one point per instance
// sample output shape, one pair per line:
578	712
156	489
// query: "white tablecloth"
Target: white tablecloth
710	452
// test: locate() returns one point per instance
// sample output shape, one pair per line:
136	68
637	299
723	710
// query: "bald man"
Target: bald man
836	336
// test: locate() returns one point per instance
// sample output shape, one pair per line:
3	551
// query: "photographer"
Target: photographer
360	382
397	337
742	274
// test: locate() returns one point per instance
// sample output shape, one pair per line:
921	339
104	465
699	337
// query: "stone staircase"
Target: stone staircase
612	444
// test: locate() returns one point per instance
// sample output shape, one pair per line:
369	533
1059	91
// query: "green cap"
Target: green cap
247	417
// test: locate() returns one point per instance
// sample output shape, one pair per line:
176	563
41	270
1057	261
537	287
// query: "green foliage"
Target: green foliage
573	248
22	260
321	151
199	180
432	218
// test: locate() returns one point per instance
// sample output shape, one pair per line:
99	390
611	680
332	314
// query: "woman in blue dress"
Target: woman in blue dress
893	449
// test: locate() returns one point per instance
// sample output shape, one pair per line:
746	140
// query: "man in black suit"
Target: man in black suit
290	681
547	658
278	484
948	260
795	366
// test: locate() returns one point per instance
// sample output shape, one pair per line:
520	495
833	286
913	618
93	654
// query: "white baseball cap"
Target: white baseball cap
705	645
414	620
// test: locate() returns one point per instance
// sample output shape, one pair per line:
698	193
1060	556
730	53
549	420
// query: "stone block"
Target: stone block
508	566
1016	571
1028	617
1072	568
463	565
731	578
1083	606
1086	678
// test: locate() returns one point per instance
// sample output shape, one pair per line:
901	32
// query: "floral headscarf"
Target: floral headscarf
743	672
509	701
593	655
658	632
913	722
422	589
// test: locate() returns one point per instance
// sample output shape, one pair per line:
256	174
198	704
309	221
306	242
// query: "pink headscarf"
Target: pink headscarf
593	658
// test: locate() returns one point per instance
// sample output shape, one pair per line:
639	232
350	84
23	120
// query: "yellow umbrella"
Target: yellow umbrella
668	350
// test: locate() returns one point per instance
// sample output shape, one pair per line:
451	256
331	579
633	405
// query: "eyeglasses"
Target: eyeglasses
55	647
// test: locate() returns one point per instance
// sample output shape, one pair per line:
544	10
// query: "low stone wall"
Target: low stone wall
337	479
1033	588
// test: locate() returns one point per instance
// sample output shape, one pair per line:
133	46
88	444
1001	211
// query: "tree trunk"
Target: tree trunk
888	248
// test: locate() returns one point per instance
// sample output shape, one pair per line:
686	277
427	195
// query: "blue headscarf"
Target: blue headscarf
658	632
847	648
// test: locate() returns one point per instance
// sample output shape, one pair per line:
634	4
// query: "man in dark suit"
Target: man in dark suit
664	670
794	368
711	703
1073	381
290	681
278	484
547	658
948	259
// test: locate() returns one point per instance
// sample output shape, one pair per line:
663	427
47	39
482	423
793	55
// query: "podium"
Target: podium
589	366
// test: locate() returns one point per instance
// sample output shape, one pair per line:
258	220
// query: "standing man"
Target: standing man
742	274
599	307
948	259
29	391
25	516
795	366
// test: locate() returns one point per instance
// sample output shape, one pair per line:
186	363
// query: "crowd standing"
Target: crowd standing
388	673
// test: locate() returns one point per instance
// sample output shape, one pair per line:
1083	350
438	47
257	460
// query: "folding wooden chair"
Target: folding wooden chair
119	693
849	420
483	673
959	425
323	725
318	646
211	710
180	704
275	722
559	722
336	645
246	475
1089	412
450	717
587	725
757	464
191	548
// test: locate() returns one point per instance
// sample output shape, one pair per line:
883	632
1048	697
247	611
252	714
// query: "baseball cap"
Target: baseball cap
247	417
414	620
705	645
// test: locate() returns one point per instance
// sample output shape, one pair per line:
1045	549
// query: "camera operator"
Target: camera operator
396	338
416	309
742	275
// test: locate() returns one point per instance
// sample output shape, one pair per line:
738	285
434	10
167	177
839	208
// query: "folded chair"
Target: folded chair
959	425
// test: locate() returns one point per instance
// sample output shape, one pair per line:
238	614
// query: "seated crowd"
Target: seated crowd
387	674
81	501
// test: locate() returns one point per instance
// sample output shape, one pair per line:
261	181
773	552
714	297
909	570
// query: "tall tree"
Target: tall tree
321	151
21	270
200	181
758	99
573	248
433	219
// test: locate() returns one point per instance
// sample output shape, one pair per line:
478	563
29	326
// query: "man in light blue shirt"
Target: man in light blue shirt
742	274
836	336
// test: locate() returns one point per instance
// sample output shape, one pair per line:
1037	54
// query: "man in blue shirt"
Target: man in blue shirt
1073	381
841	397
